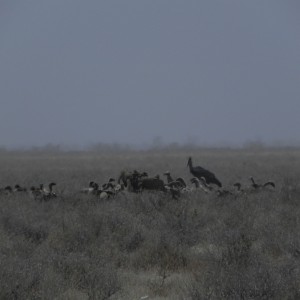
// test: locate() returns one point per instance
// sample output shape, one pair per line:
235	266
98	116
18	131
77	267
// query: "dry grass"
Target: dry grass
149	246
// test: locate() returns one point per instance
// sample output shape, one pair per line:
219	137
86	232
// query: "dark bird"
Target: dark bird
257	186
90	189
169	177
133	179
174	184
238	186
175	193
239	189
205	184
201	172
153	184
109	185
271	183
18	188
49	194
195	181
181	181
6	191
35	193
199	184
254	184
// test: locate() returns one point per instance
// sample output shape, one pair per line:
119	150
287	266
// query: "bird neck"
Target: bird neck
197	184
169	178
190	164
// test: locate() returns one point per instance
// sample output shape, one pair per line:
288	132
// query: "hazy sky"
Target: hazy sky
77	72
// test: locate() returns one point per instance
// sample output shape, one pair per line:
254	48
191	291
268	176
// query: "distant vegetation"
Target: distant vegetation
156	144
149	245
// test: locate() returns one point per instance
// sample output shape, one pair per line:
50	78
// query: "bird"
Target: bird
90	189
254	184
154	183
109	185
6	191
195	181
119	187
257	186
239	189
35	193
181	181
169	177
269	183
173	184
201	172
175	193
106	194
133	178
238	186
49	194
51	185
204	183
19	189
199	184
112	187
128	186
41	188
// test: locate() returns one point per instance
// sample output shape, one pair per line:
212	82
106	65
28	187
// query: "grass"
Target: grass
150	246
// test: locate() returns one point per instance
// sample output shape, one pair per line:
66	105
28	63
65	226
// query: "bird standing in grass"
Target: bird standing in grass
199	184
201	172
169	177
6	191
257	186
49	193
89	190
18	188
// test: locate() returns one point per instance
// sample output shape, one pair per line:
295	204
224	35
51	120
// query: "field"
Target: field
148	245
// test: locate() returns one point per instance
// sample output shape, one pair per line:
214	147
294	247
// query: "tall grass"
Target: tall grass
243	246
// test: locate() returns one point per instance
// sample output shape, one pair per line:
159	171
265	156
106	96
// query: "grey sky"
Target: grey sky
77	72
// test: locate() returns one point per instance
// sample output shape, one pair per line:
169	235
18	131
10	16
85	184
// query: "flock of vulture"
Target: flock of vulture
136	182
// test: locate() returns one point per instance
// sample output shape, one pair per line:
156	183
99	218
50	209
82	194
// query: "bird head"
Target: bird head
237	185
252	179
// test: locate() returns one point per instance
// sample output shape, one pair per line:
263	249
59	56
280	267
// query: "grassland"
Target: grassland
150	246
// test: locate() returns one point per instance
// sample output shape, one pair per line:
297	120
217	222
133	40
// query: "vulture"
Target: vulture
271	183
153	184
6	191
238	186
18	188
257	186
89	190
200	184
169	177
48	194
